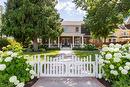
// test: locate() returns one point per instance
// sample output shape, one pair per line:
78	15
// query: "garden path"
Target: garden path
68	82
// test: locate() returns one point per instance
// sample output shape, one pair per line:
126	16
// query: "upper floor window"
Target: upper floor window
77	29
66	29
125	33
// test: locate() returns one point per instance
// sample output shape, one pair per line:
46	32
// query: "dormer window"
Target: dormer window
77	29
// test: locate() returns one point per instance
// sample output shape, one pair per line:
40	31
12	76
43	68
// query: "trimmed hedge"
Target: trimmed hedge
53	48
88	47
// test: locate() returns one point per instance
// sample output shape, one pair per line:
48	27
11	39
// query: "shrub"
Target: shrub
88	47
3	42
115	61
52	48
14	68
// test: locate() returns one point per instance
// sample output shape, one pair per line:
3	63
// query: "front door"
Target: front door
66	42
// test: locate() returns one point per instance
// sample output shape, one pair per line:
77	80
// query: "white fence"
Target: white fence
63	66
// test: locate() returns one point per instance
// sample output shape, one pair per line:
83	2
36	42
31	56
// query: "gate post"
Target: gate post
39	67
96	65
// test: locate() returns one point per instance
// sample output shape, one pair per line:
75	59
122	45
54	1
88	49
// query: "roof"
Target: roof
72	22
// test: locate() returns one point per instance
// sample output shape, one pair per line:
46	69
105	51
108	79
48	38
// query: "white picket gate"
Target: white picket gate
63	66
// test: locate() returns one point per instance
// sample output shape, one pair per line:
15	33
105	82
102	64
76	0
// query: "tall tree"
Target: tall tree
27	20
103	16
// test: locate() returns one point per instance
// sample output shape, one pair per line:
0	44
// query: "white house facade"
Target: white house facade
73	35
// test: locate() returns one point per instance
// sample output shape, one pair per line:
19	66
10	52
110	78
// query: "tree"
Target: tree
103	16
27	20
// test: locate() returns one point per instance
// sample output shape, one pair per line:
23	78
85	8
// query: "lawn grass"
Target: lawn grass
50	53
82	54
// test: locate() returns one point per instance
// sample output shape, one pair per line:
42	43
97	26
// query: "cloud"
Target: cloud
68	7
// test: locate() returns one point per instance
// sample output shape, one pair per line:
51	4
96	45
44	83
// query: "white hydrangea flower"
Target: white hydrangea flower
126	67
2	67
105	49
124	71
106	61
116	50
114	72
16	82
120	68
111	49
117	59
32	72
118	46
111	66
32	77
13	79
117	55
111	71
128	56
20	85
9	52
8	59
111	45
108	56
127	64
14	55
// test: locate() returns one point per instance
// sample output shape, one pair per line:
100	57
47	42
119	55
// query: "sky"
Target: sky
67	10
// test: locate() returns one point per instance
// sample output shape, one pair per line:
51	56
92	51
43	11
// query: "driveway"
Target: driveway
67	82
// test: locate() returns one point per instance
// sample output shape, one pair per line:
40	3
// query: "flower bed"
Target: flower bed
115	62
14	69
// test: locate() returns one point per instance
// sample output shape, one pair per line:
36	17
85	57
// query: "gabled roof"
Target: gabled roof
72	22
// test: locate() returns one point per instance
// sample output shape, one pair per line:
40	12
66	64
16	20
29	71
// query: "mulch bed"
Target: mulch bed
31	83
104	82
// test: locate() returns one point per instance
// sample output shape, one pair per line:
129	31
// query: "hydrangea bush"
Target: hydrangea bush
115	62
14	69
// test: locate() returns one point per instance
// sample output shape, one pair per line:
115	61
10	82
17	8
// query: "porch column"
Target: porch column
73	41
82	41
49	45
58	42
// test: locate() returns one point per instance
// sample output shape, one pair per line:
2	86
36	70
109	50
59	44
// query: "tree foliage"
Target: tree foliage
103	16
27	20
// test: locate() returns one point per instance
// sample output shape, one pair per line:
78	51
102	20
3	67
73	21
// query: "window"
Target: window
77	29
125	33
66	29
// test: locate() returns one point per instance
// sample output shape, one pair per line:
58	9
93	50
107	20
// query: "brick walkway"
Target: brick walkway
68	82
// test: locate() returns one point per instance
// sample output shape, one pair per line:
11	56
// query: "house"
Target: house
74	34
122	34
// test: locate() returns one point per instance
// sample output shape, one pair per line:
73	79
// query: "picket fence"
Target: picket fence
66	66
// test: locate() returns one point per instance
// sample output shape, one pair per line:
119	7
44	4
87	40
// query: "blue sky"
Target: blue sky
67	10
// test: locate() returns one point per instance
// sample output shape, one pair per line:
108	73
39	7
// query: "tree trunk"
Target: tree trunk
35	45
105	40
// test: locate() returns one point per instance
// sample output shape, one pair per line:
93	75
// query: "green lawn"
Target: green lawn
51	53
82	54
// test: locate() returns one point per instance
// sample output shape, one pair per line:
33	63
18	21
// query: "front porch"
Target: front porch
67	41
